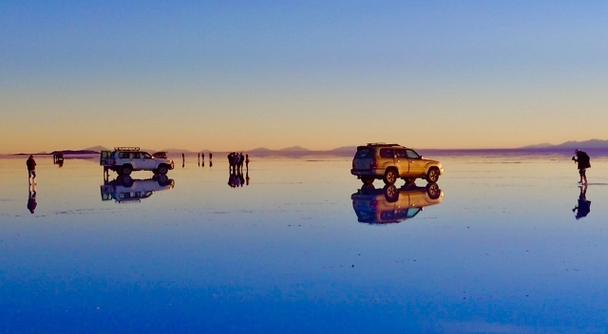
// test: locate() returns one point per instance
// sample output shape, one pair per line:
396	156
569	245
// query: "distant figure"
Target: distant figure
31	200
230	158
58	158
198	159
583	162
241	161
203	159
210	156
183	160
31	169
584	206
247	161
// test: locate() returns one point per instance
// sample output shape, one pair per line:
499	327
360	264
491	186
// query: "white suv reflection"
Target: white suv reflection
124	189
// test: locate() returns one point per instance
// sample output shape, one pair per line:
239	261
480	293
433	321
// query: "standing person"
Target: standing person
203	159
31	169
247	161
583	162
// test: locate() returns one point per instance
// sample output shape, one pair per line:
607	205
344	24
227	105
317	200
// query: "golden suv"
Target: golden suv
390	162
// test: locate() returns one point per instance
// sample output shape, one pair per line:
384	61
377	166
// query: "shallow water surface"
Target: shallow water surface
301	247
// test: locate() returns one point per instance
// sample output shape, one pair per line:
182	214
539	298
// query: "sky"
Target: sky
239	75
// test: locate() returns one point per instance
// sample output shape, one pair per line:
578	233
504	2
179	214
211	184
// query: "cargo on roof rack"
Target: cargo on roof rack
126	148
381	144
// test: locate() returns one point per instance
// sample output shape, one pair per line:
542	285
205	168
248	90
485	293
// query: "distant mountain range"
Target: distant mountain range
592	143
346	150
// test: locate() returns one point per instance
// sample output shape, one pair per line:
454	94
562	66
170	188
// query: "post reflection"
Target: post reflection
393	205
583	206
125	189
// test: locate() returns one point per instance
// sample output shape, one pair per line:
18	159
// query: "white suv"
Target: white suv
124	160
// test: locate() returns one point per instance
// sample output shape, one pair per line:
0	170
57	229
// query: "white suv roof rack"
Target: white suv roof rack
381	144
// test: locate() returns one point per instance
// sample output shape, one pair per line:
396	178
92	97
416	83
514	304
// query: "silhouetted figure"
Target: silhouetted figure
247	161
203	159
210	156
584	206
31	169
583	162
31	199
198	159
233	161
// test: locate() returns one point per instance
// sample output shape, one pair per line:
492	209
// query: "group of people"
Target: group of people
237	160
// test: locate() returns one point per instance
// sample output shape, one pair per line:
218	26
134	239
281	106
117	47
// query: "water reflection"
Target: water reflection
236	179
126	189
391	204
583	206
31	198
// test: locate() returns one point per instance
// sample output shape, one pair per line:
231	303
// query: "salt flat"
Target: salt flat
502	251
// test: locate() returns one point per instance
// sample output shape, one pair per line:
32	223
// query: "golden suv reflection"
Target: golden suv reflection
391	204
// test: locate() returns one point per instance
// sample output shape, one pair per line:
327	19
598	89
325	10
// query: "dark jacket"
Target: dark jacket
31	164
583	160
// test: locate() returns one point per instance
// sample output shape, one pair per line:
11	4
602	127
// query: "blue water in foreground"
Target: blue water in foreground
501	252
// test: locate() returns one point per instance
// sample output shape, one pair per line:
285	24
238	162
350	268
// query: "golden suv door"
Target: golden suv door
402	162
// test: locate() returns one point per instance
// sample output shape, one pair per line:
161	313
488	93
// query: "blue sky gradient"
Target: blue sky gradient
236	75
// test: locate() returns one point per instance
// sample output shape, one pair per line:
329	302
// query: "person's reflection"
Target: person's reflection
31	199
247	178
584	206
60	163
236	179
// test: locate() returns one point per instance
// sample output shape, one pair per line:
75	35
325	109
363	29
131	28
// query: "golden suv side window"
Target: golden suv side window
400	154
412	155
386	153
